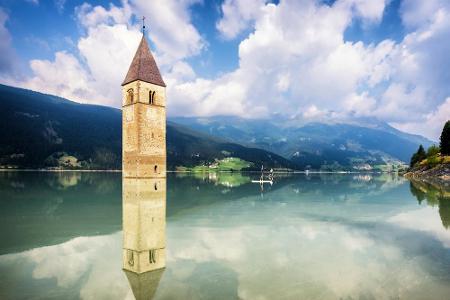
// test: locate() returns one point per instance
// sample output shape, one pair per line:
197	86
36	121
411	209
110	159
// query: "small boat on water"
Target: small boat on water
262	180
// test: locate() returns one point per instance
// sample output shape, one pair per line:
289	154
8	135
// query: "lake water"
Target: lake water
305	237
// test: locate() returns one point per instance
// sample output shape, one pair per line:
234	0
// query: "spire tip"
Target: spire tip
143	25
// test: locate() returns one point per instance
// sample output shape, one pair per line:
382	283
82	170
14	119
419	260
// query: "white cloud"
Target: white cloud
420	71
104	55
313	113
90	16
64	76
417	13
356	265
109	65
182	70
107	47
362	104
238	16
294	60
88	265
170	28
400	103
426	219
101	61
432	124
371	11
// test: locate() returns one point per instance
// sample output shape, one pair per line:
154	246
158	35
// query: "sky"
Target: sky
308	60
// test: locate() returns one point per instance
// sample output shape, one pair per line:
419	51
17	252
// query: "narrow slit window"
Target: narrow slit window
151	256
130	257
156	169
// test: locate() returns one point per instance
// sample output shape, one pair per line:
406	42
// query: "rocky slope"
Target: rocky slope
438	173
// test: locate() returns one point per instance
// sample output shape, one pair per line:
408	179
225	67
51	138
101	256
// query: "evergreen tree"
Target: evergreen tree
418	156
433	151
445	139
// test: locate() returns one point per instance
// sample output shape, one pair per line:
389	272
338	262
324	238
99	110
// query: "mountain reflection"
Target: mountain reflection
144	234
318	236
227	179
47	208
435	194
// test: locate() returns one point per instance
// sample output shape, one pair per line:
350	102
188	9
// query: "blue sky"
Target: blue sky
57	29
41	28
307	59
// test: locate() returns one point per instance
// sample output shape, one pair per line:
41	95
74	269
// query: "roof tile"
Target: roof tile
143	67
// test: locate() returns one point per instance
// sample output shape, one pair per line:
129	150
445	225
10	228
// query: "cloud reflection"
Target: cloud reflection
305	240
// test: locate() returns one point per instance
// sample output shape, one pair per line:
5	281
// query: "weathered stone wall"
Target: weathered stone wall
144	131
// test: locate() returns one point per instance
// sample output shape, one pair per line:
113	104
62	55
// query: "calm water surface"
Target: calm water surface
305	237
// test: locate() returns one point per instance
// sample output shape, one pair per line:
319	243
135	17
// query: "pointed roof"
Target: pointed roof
143	67
144	285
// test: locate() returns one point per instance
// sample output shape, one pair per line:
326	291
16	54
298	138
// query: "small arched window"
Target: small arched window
156	169
130	96
151	97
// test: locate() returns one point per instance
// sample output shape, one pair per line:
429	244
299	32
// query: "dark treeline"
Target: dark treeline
434	154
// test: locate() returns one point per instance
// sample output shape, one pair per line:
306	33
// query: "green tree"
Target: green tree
444	212
418	156
445	139
433	151
416	191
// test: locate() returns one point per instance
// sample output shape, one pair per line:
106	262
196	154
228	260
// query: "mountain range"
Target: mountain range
45	131
357	142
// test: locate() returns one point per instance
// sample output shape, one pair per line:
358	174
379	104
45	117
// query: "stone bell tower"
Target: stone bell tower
144	118
144	173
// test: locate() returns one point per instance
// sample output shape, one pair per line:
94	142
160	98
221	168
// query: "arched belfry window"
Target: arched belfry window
151	97
130	96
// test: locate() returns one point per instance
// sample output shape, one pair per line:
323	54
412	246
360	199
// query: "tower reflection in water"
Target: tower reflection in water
144	233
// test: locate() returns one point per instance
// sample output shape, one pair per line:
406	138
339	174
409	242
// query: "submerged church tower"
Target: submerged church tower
144	117
144	173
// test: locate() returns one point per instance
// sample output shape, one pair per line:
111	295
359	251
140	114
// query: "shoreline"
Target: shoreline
62	170
438	174
438	184
199	172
